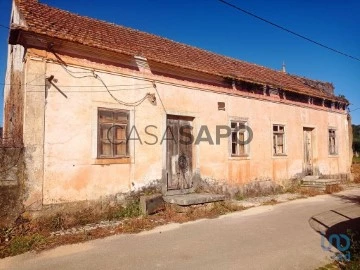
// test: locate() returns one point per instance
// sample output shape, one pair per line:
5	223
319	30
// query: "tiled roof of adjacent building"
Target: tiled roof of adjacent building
53	22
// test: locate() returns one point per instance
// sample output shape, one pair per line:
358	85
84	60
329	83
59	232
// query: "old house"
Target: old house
102	109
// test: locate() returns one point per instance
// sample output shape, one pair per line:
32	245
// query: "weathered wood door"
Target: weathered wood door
308	151
179	153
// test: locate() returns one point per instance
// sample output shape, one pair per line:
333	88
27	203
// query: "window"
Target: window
238	139
279	139
112	131
332	142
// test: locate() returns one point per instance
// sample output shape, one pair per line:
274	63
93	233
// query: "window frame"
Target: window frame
113	122
275	140
246	148
335	148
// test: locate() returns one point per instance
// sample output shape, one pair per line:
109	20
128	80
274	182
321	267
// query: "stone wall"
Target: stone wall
11	184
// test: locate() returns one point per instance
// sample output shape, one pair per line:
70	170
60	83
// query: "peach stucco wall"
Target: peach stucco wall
68	132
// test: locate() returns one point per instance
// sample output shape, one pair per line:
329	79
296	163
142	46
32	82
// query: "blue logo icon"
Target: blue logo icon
339	241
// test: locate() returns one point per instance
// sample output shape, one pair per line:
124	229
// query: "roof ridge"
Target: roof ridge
156	36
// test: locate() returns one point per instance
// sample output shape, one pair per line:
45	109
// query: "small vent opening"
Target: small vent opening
221	106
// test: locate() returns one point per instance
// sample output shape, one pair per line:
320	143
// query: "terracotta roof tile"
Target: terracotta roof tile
43	19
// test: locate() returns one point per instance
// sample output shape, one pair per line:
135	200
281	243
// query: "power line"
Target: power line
288	30
92	74
91	91
85	86
145	86
160	98
4	26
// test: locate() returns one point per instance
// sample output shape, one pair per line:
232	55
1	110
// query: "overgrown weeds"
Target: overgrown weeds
131	210
271	202
356	160
354	263
310	192
333	189
38	238
355	169
239	197
35	234
293	188
24	243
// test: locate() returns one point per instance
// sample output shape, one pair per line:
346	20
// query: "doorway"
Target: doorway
308	151
179	154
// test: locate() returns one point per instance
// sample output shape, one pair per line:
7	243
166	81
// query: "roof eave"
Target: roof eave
19	33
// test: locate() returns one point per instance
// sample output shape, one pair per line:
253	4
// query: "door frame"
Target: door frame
311	130
165	174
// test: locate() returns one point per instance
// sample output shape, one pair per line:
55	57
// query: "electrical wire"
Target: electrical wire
71	73
81	86
3	26
160	98
92	74
139	79
288	30
130	104
90	91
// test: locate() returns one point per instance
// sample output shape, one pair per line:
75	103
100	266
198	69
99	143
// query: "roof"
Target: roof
53	22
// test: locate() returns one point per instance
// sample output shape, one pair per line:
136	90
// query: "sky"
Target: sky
211	25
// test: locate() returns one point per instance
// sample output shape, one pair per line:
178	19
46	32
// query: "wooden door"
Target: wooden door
308	151
179	153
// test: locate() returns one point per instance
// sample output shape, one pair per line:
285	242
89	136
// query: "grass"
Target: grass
35	234
294	188
354	263
88	215
356	160
239	197
329	266
21	244
271	202
333	189
310	192
40	239
131	210
355	169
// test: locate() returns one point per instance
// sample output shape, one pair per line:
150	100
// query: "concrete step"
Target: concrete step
310	178
321	182
193	198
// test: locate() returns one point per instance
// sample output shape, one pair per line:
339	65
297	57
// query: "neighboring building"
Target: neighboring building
77	81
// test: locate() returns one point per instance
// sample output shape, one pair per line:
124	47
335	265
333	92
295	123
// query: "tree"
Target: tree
356	140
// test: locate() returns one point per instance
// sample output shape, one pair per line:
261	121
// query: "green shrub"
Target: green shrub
132	209
354	263
21	244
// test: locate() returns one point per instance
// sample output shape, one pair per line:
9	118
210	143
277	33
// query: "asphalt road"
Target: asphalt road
281	236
